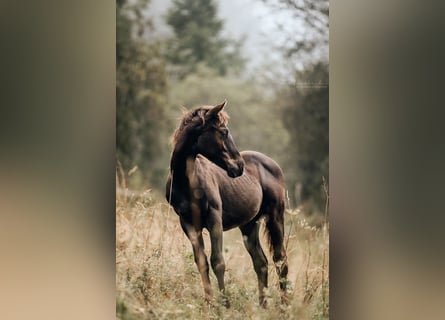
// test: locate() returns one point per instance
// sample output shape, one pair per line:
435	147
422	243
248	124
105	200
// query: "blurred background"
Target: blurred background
268	58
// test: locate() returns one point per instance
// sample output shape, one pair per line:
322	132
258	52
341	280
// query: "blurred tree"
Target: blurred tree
306	110
305	100
197	39
140	94
307	40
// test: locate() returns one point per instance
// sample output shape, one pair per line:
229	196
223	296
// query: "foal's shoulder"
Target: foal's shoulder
202	164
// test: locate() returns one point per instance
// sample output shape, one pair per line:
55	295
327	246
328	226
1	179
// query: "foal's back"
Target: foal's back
269	175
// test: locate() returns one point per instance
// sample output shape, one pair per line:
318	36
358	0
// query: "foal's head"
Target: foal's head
206	129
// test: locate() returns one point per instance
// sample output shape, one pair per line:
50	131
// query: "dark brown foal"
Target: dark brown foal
211	185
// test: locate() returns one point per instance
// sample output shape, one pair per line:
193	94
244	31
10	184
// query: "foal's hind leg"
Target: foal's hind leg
253	246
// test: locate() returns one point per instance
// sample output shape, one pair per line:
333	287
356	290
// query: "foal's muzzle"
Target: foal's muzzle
235	169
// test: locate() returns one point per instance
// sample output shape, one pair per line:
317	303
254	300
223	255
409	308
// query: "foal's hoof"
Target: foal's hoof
284	299
263	303
225	302
289	286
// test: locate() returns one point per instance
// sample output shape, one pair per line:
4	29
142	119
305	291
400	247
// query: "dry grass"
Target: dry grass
156	277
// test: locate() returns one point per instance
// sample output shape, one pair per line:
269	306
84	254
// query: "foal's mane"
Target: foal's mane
196	116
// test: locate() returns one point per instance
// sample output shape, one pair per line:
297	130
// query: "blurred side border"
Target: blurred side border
57	162
386	160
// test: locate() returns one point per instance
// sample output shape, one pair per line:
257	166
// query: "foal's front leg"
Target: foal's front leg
214	225
195	237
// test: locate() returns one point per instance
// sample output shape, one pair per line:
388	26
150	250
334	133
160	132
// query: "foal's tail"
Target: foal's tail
275	231
275	235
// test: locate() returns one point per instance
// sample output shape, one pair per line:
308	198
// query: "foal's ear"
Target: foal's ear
216	109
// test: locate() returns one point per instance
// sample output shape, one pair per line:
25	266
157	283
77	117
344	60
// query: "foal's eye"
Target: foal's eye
224	133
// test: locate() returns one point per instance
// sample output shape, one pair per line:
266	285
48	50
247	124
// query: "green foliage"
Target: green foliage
140	94
197	38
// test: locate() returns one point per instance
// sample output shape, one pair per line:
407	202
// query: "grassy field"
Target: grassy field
156	277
